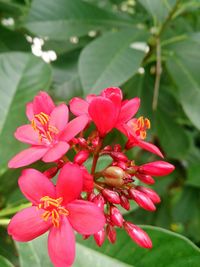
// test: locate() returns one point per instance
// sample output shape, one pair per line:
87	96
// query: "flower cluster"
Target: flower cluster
83	200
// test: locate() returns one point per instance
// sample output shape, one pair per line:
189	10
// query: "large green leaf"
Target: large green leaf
158	9
170	250
22	76
5	263
62	19
110	60
183	66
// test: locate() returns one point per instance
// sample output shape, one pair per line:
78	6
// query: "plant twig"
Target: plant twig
158	75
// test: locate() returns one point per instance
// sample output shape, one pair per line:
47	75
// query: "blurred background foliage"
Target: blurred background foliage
151	49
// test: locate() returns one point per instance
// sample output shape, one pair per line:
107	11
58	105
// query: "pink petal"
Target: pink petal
69	183
78	106
43	103
27	156
59	117
85	217
56	152
150	147
28	224
26	134
35	185
74	127
61	245
128	110
115	95
90	97
103	113
29	111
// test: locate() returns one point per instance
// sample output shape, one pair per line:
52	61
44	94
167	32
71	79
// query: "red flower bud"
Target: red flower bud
91	196
99	237
121	165
138	235
156	168
117	148
124	202
111	196
51	172
147	179
142	199
116	217
82	142
119	156
111	233
107	148
150	193
99	201
81	157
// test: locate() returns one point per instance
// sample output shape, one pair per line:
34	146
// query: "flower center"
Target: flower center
140	126
45	131
53	209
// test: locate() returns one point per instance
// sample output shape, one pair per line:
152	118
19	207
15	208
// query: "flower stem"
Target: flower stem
4	222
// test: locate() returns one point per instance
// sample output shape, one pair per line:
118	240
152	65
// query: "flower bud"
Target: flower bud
99	237
113	176
107	148
116	217
99	201
150	193
147	179
156	168
142	199
82	142
119	156
138	235
111	233
51	172
111	196
91	196
81	157
125	202
121	165
117	148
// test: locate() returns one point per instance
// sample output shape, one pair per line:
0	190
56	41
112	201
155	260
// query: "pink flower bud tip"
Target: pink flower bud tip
116	216
150	193
111	234
156	168
81	157
138	235
125	202
147	179
99	237
111	196
99	201
142	199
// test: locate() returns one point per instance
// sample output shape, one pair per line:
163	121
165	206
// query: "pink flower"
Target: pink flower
107	110
135	130
57	210
48	133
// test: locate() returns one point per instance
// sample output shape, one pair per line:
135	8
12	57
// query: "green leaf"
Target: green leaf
22	76
172	136
110	60
34	253
66	81
179	250
183	66
62	19
12	40
193	175
5	263
103	162
158	9
169	250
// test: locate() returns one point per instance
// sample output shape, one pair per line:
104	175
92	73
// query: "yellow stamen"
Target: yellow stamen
140	126
52	209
